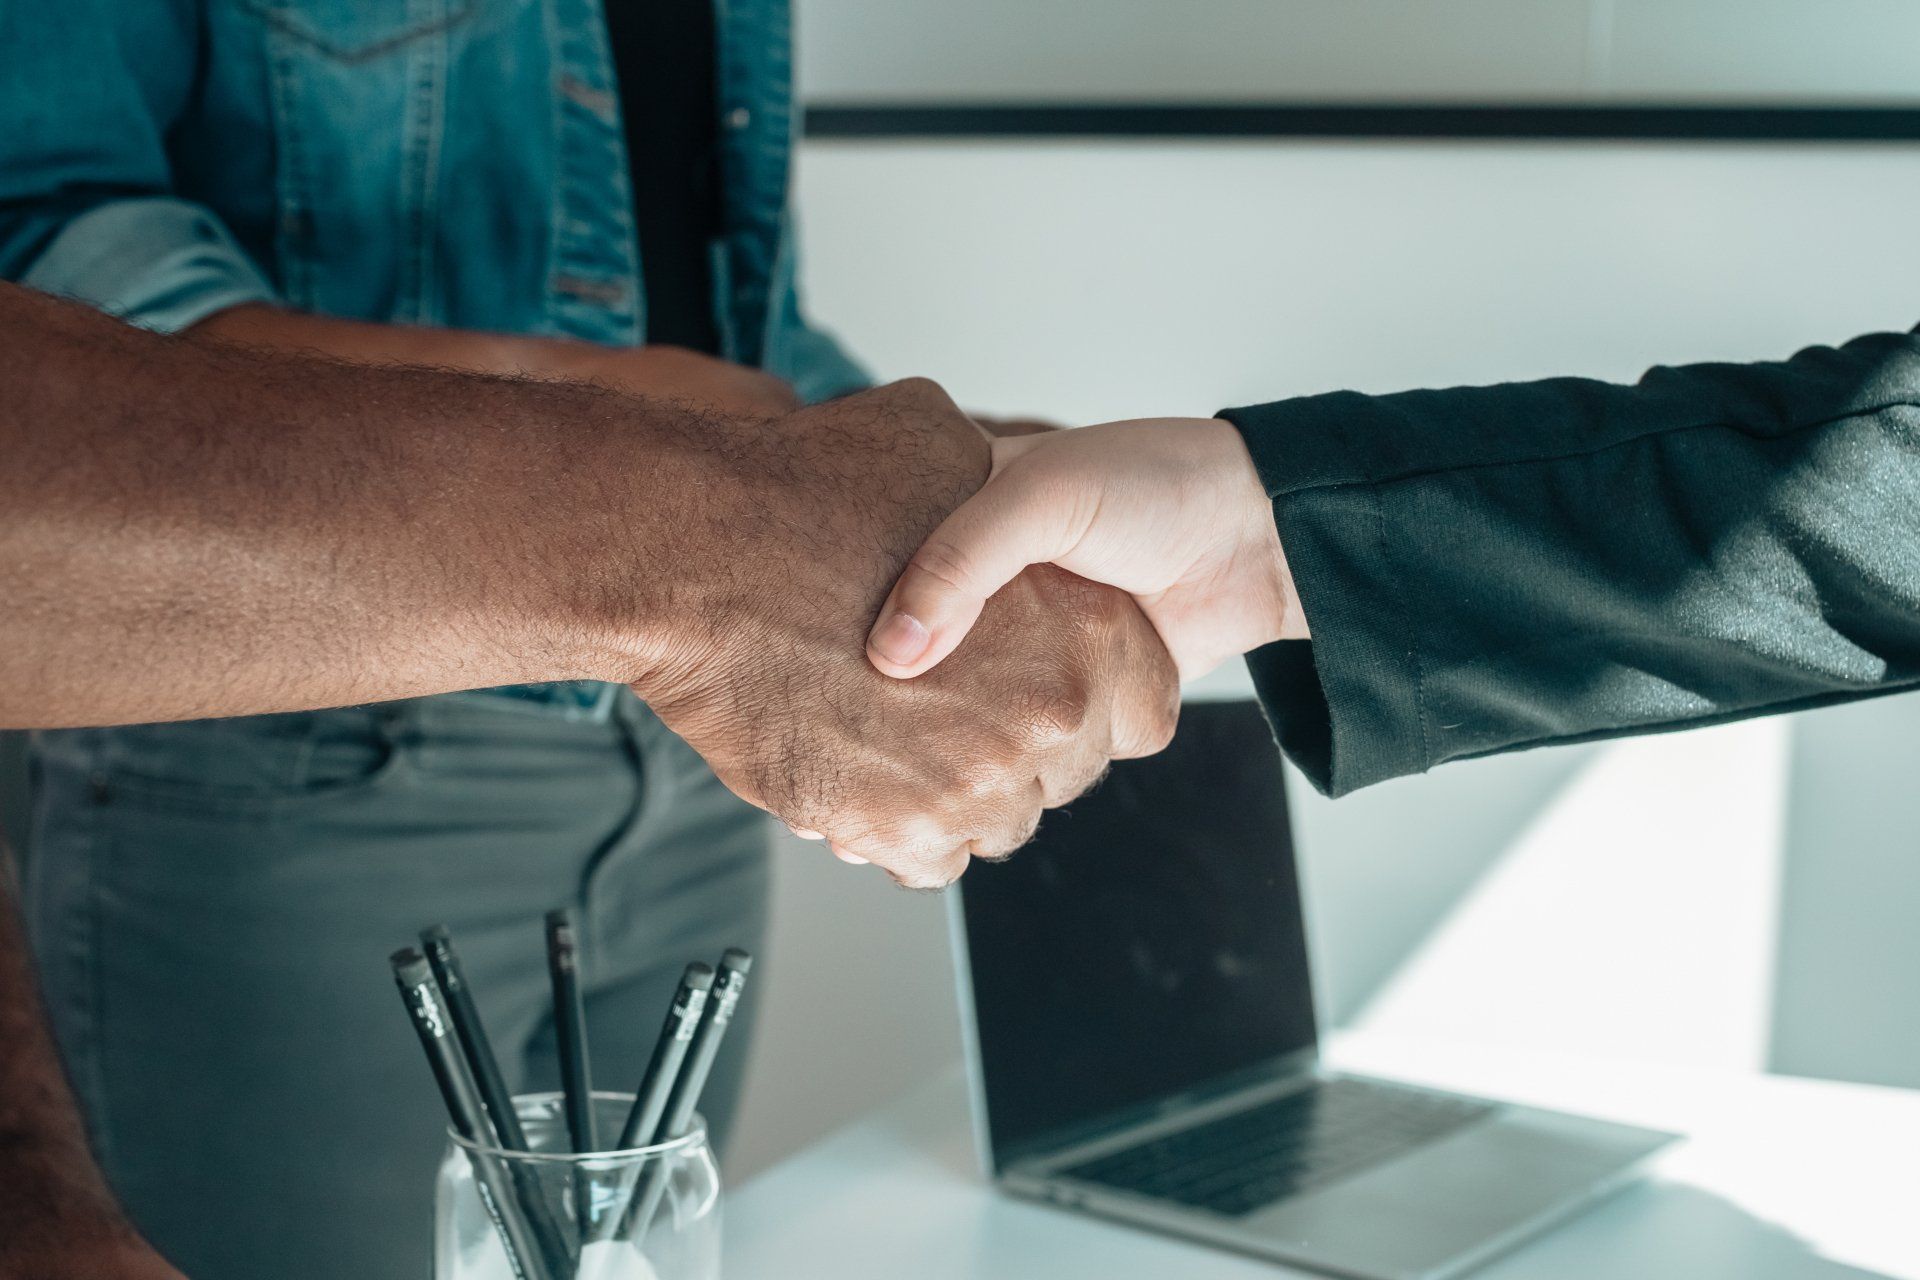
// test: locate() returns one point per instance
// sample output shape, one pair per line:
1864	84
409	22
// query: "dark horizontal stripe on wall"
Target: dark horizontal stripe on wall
1301	120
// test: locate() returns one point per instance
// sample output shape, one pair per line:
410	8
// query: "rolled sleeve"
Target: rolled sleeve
160	263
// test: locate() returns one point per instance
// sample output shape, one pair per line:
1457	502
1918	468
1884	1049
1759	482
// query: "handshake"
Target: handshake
897	635
889	629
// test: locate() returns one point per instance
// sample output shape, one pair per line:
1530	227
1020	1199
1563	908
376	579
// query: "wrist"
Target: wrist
657	569
1273	605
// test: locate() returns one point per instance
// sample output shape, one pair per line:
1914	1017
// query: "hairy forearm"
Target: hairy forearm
188	529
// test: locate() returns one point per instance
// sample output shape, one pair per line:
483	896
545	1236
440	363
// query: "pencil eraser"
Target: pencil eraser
699	975
736	959
437	936
410	968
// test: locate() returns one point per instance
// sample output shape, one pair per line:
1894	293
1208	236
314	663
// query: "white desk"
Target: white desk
1783	1180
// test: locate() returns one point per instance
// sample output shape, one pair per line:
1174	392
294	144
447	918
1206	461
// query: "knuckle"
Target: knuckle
1070	786
1160	727
917	386
911	395
1000	848
928	869
1151	727
966	784
1055	711
980	783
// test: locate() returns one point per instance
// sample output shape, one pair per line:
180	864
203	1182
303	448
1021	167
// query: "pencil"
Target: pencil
576	1072
683	1018
437	942
728	983
663	1068
457	997
570	1029
467	1112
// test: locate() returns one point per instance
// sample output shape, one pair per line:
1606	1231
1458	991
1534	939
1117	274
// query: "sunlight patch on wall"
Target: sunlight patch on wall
1636	917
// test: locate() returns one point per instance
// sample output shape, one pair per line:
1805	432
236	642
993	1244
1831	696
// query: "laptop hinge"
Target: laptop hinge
1130	1123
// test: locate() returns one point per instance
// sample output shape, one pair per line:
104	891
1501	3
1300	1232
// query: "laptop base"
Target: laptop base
1433	1212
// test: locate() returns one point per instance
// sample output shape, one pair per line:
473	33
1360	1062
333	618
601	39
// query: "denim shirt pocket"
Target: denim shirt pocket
358	95
356	30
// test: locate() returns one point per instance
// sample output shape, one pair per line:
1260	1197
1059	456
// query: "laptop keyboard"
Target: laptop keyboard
1307	1139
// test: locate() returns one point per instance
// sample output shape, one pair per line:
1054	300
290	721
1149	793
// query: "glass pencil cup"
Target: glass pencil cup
649	1213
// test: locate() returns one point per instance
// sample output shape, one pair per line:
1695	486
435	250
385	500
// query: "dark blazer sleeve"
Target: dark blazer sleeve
1490	568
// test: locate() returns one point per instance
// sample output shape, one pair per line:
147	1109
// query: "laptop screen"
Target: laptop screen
1149	941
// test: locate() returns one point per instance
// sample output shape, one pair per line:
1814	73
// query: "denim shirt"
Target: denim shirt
456	163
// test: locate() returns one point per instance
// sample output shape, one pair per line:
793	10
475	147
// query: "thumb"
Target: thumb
1014	521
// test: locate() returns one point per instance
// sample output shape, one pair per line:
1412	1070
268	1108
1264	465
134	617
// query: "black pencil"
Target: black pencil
576	1072
457	996
437	942
663	1068
570	1029
468	1114
683	1019
728	983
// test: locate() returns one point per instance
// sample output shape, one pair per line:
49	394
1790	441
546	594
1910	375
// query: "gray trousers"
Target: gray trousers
212	904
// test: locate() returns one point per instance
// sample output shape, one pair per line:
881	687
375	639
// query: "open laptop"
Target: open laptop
1143	1046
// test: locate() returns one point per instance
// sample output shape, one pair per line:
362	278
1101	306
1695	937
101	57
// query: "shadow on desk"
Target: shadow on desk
1658	1230
1654	1231
899	1196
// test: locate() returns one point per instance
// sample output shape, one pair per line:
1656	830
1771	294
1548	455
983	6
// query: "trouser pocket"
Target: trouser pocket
251	765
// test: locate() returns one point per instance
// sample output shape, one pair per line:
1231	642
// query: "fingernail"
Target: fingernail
900	639
852	858
806	835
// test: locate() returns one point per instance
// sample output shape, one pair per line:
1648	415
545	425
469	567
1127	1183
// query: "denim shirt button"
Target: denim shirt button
739	118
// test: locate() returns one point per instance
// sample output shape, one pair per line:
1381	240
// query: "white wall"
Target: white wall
1097	281
1093	280
1390	50
856	1003
1847	995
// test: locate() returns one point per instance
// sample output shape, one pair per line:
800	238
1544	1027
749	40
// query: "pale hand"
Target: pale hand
1170	511
768	683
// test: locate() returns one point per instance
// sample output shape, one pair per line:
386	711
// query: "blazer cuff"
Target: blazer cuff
1349	706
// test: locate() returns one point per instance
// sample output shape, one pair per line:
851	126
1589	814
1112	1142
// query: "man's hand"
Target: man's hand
768	683
1170	511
